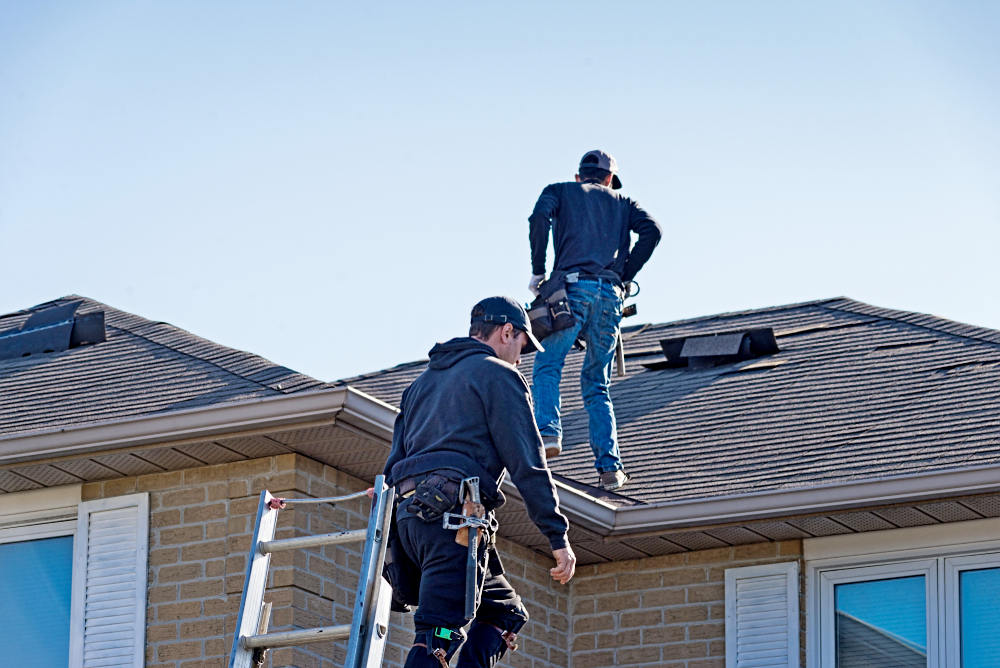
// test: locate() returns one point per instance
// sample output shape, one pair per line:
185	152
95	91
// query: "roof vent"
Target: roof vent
52	330
700	352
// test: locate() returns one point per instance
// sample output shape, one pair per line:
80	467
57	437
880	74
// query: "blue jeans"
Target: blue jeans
597	307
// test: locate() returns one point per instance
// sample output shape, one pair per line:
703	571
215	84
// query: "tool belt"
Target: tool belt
550	311
431	495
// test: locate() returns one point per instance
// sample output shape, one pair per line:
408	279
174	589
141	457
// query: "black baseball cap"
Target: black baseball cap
501	310
602	160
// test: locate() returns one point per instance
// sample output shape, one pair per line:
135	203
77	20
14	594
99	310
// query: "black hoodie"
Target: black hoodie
471	412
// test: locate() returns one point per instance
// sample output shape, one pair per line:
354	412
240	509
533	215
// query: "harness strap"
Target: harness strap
438	654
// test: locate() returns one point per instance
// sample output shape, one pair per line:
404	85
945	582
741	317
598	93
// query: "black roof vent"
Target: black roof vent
699	352
52	330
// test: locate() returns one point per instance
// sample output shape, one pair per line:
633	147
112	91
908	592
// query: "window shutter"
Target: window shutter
108	609
762	616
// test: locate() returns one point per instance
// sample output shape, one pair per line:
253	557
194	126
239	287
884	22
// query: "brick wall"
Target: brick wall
201	524
661	611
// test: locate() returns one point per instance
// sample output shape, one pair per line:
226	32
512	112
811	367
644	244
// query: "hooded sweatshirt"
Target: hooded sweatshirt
471	412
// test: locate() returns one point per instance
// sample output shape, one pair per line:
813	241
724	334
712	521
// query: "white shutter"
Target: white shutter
762	616
108	618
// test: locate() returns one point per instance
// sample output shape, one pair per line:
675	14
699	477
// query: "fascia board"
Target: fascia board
811	500
269	413
368	414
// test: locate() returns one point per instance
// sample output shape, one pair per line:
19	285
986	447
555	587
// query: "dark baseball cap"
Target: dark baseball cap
601	160
501	310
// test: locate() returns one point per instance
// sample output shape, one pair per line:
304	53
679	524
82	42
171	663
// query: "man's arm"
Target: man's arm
539	223
396	453
649	233
511	422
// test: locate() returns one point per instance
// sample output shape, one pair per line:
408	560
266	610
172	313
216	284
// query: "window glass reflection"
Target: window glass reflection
882	623
35	588
979	610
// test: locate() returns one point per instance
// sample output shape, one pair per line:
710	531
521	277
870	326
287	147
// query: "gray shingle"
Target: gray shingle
144	368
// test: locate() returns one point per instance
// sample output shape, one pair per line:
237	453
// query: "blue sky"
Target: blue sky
333	185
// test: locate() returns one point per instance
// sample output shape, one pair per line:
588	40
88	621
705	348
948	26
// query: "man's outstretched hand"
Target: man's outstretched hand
565	565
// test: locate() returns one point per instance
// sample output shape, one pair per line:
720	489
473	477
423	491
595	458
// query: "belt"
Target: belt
576	277
405	488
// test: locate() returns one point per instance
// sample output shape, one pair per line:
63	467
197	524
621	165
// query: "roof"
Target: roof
856	393
144	368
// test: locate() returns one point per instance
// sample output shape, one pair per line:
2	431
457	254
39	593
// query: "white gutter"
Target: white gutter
813	500
365	413
611	520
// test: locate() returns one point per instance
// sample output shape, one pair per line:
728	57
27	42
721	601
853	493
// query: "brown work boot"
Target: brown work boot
553	446
612	480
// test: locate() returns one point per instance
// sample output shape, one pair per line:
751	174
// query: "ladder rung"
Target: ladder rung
293	638
271	546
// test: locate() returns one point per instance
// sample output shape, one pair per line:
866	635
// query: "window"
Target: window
73	577
913	598
35	578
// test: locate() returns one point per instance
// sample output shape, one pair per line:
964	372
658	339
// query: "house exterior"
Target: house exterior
813	485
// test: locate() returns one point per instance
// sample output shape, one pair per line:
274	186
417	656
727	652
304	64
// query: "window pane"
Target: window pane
882	623
35	587
979	593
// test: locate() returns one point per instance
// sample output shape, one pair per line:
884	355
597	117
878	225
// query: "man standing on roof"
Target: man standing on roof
469	414
591	226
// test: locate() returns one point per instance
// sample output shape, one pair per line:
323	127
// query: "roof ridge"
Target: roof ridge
734	314
916	319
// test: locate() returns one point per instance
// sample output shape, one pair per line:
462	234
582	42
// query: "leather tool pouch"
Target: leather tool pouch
433	497
550	311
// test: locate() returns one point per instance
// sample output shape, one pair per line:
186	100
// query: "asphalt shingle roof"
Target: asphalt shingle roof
143	368
856	392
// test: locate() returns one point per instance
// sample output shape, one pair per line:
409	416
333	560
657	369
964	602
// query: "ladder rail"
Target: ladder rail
367	634
254	583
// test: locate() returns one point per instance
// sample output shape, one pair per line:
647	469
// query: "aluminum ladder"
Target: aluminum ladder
369	625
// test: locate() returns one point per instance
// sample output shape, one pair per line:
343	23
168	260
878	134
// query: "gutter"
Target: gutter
694	514
362	412
744	508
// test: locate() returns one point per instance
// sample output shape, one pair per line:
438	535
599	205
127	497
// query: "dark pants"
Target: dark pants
442	564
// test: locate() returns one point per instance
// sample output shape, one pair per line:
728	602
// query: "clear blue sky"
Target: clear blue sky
333	185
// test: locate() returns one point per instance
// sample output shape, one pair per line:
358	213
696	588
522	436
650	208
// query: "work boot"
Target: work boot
612	480
553	446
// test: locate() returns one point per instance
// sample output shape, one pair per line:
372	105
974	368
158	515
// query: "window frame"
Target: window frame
953	568
40	514
830	578
942	551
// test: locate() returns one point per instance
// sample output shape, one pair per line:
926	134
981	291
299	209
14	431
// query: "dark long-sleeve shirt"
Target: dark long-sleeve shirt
471	412
590	229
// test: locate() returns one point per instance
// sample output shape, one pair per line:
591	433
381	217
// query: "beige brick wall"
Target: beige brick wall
201	524
660	611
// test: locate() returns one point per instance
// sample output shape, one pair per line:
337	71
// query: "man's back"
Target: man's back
591	227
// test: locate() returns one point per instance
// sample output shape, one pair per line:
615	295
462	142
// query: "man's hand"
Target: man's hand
536	280
565	565
370	492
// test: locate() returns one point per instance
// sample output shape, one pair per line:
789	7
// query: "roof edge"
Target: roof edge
267	413
768	505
